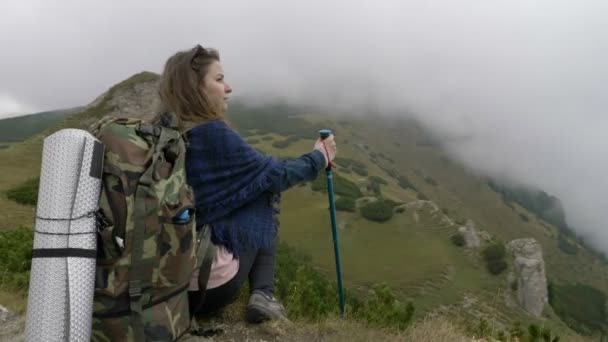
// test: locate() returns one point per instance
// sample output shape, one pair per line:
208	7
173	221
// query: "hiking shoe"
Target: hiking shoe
263	307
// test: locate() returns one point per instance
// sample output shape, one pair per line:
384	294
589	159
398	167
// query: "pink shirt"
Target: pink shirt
223	268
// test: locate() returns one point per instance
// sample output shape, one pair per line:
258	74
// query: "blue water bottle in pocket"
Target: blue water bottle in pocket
183	217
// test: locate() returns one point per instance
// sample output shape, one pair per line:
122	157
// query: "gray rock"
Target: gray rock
529	269
471	239
485	236
141	101
5	315
11	326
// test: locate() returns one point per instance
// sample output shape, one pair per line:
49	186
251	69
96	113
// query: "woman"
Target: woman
237	189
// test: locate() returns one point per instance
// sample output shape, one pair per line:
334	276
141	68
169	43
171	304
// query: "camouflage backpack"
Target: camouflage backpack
148	245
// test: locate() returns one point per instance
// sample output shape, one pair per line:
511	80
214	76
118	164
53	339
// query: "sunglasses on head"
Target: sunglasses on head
198	51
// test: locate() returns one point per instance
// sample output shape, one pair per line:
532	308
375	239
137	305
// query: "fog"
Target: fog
525	80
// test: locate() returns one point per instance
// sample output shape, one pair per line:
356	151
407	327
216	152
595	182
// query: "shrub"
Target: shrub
496	266
534	332
383	309
546	334
342	186
267	138
379	211
517	330
483	328
309	295
494	252
400	210
514	285
304	291
253	141
26	193
524	218
345	204
494	258
458	239
15	258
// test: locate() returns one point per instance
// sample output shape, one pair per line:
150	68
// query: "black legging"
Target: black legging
257	265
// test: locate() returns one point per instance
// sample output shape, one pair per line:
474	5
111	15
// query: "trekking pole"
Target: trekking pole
324	133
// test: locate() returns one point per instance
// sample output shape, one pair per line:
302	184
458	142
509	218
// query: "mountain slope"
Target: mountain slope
22	127
388	158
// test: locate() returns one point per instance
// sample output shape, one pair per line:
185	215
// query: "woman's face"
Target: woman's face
215	87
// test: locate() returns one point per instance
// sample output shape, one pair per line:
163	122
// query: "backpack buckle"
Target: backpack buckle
134	290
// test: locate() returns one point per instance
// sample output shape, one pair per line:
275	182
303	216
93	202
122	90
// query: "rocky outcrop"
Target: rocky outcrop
141	101
5	315
530	282
11	326
471	239
484	236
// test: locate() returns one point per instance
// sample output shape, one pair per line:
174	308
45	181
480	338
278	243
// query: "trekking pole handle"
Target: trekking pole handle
324	133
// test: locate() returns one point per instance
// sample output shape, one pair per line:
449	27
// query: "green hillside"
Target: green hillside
22	127
409	247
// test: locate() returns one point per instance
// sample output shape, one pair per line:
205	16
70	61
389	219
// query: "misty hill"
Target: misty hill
410	216
22	127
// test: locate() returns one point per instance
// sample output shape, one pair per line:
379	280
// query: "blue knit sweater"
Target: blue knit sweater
237	189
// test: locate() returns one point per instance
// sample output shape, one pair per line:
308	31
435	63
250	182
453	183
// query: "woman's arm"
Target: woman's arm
302	169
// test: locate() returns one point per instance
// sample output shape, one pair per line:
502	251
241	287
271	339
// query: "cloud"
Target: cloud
10	107
524	79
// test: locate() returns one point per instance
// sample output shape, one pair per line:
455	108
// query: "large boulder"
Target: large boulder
530	287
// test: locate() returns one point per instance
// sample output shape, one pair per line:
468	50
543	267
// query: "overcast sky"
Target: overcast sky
525	79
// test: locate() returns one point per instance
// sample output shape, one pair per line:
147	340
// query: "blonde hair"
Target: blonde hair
181	82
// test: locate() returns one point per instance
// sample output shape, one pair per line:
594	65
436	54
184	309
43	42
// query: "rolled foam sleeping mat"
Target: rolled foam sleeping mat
60	299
